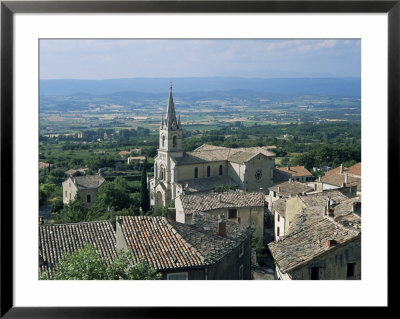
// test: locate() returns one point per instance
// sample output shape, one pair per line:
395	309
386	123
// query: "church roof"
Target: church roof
88	181
170	120
211	153
294	170
207	183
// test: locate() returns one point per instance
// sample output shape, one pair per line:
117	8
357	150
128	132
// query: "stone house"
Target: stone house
321	244
208	249
297	173
55	241
247	209
86	186
286	209
136	159
343	176
286	189
177	172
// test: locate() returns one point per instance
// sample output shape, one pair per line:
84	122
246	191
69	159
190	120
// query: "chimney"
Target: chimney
329	209
172	213
315	187
220	197
356	208
341	168
221	226
346	178
319	179
41	220
288	168
279	189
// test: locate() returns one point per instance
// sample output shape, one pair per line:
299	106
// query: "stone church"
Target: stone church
177	172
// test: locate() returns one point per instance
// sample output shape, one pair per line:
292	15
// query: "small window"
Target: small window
174	141
232	213
208	171
241	250
279	217
277	231
241	272
196	172
163	141
66	195
178	276
69	196
314	273
88	198
220	170
350	270
274	194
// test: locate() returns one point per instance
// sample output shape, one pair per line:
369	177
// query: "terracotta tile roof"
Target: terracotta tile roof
354	170
300	247
88	181
204	202
295	170
43	164
55	241
207	183
339	180
293	187
166	244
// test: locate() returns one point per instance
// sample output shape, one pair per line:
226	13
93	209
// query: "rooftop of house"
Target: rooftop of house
296	171
319	199
76	172
280	206
319	236
88	181
207	183
55	241
354	170
166	244
193	203
340	179
290	187
210	153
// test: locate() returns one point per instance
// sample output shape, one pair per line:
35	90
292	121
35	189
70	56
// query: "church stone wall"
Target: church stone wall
185	172
266	166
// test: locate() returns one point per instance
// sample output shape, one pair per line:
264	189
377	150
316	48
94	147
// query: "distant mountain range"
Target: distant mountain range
349	87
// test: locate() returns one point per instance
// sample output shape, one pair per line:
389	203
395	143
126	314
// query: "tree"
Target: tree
144	192
87	264
75	212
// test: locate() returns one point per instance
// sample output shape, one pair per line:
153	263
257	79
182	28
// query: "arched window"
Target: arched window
220	170
163	141
208	171
88	198
175	141
196	172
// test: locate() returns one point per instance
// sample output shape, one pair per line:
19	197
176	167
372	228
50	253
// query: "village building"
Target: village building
297	173
245	208
85	186
136	159
177	172
124	153
136	151
286	190
208	249
285	209
76	172
56	241
343	176
323	243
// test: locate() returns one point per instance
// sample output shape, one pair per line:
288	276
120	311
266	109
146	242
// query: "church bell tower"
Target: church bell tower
171	131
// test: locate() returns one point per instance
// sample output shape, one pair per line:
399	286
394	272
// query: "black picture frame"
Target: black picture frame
9	8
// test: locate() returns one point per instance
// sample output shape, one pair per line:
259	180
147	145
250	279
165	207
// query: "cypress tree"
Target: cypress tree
144	192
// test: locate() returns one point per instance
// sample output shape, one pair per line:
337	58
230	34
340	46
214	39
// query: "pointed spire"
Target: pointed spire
171	117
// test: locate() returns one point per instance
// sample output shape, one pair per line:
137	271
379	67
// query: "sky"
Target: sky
98	59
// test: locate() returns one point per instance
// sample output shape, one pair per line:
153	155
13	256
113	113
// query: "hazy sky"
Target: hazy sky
107	59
